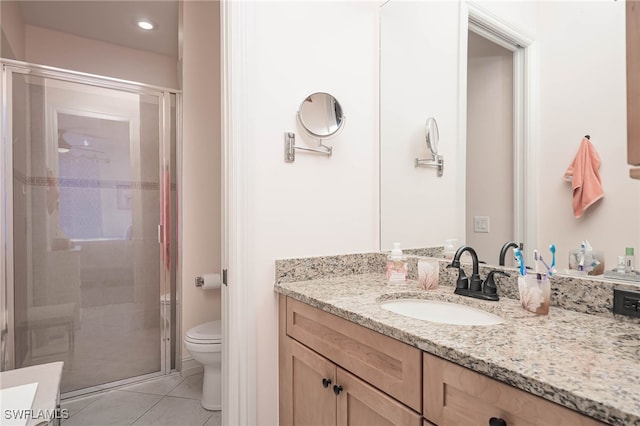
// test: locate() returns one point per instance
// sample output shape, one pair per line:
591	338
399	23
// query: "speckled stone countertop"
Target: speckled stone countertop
588	363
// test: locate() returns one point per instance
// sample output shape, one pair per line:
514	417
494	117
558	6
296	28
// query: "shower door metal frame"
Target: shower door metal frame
11	67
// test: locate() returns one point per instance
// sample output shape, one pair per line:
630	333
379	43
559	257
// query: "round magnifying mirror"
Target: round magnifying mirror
432	135
320	115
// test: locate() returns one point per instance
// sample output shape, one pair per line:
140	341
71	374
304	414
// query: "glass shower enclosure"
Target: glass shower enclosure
88	226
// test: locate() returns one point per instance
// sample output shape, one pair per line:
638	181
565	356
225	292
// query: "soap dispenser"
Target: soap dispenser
397	266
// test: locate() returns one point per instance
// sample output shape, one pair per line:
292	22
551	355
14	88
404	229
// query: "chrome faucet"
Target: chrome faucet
474	286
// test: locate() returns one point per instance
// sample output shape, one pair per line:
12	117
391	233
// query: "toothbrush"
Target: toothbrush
518	257
552	249
550	270
536	259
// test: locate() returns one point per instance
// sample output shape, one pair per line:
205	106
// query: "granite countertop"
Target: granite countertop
585	362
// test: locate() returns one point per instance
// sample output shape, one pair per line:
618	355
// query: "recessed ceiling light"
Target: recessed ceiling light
145	24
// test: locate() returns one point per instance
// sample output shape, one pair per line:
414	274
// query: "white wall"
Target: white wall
201	176
63	50
316	205
12	26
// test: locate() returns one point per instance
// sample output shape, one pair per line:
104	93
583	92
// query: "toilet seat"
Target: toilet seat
206	333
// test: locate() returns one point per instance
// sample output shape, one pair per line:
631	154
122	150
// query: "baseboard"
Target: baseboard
190	367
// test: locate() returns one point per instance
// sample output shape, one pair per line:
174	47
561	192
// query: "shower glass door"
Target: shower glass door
91	189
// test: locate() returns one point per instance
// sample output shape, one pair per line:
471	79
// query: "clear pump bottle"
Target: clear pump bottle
397	266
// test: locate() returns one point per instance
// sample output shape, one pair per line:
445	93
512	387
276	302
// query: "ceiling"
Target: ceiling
111	21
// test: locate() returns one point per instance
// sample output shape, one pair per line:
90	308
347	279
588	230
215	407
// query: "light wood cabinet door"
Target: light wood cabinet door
309	388
454	395
360	404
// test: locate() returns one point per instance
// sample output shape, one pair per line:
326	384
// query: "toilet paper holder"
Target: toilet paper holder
212	280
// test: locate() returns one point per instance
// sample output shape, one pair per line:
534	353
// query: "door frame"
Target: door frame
238	304
525	106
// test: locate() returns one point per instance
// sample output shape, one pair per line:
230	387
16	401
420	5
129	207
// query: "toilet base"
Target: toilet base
212	388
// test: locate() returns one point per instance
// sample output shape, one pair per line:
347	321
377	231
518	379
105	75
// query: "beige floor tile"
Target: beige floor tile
191	387
114	408
74	405
173	411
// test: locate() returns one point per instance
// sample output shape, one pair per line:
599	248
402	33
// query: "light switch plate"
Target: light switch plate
481	224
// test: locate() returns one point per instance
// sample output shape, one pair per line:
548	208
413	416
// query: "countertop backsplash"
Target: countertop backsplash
590	295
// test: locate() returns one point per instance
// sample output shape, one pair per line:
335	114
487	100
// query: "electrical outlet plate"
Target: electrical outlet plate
626	302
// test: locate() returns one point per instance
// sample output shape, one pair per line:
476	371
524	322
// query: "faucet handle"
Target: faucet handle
489	285
463	281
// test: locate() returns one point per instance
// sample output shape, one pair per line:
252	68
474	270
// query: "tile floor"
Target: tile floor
170	401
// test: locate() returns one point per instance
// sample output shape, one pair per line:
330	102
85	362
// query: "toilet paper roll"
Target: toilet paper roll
210	281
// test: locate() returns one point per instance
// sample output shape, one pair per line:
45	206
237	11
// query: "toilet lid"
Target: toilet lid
206	332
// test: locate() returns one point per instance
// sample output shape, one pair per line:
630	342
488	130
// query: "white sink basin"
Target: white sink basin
442	312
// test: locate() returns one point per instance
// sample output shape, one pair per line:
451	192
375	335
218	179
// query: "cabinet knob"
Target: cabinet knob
337	389
496	421
326	382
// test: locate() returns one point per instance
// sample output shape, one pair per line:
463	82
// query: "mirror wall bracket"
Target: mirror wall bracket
432	136
290	148
437	161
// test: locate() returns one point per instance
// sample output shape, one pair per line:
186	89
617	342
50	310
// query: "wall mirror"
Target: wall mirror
421	210
431	135
320	116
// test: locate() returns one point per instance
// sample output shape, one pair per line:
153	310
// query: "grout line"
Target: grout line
184	397
149	409
89	404
208	418
213	413
124	389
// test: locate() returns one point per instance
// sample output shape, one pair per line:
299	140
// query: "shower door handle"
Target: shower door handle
159	234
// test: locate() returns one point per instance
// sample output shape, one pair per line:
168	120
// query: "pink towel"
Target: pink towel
584	175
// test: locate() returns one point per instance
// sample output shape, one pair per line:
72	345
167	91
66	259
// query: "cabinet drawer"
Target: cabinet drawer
388	364
454	395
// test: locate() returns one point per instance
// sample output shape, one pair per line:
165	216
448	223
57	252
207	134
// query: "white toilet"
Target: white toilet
204	343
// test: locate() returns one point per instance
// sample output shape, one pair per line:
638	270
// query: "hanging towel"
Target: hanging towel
584	175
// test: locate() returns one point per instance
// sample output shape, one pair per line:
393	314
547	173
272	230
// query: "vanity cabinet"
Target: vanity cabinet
633	86
455	395
335	372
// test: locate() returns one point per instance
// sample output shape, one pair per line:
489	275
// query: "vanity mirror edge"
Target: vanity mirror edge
633	87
